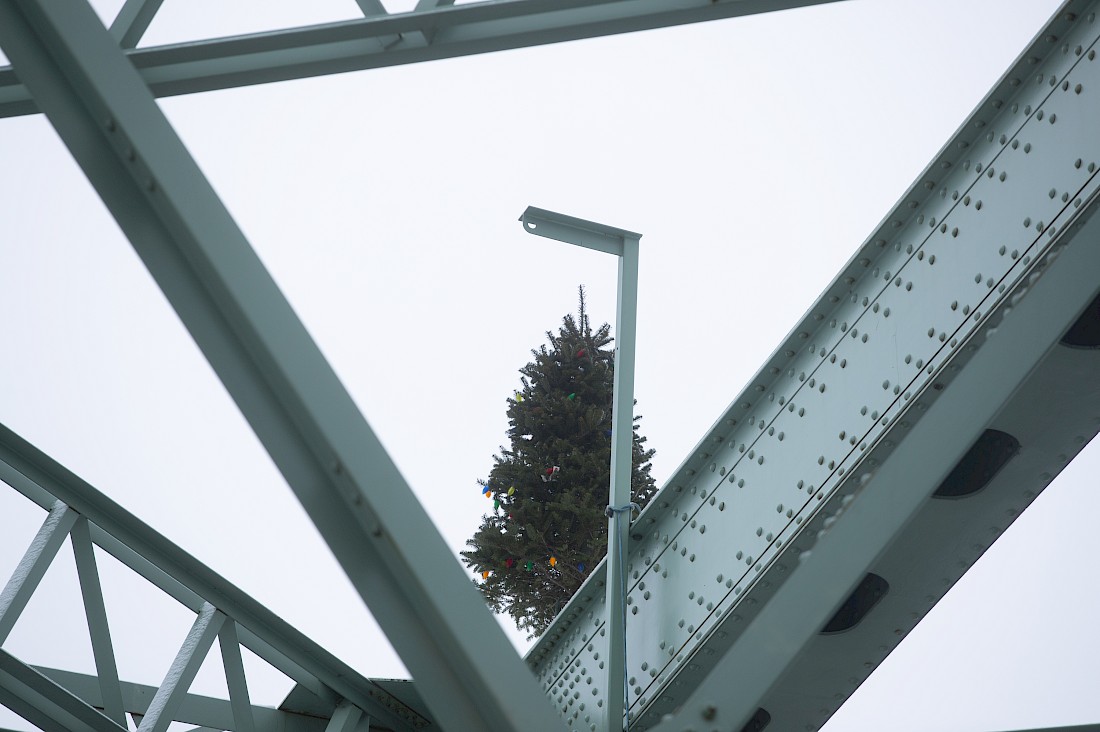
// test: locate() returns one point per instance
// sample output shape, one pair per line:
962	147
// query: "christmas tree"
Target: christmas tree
547	528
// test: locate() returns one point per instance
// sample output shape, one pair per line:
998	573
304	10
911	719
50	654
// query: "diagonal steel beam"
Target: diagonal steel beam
470	675
182	671
344	719
102	649
372	7
235	679
133	20
33	566
354	45
194	709
44	703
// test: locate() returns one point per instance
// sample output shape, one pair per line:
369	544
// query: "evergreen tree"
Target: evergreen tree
547	529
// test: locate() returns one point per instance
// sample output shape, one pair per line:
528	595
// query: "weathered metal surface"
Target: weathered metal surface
436	30
470	675
875	352
122	535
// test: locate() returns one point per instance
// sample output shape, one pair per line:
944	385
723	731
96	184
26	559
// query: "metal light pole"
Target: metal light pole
624	245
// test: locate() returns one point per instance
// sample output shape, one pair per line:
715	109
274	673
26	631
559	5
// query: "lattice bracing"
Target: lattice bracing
829	508
54	699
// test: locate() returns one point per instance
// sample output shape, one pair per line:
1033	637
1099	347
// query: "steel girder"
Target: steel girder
79	512
116	143
942	326
63	700
435	30
436	620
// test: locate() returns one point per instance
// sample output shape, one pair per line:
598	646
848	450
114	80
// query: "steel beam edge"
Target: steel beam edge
463	664
354	45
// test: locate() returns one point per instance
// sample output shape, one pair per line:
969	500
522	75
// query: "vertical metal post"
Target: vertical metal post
623	244
622	453
235	681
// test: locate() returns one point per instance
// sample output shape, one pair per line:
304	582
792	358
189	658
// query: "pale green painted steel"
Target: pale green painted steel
844	394
234	678
96	612
624	245
468	672
344	719
182	671
437	30
165	565
1074	728
46	704
30	570
779	616
795	614
203	711
133	20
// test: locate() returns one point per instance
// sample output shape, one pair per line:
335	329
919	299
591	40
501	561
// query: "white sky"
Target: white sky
754	154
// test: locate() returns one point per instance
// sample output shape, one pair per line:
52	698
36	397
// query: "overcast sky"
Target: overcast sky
754	154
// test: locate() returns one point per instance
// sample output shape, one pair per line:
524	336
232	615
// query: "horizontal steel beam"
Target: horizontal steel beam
367	43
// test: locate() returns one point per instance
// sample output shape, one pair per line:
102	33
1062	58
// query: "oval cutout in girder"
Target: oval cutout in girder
982	461
758	721
864	597
1085	331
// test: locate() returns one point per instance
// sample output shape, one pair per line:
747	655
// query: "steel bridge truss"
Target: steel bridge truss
59	700
920	405
941	381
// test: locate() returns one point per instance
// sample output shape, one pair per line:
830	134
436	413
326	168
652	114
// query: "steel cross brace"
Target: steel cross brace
206	712
468	672
95	519
45	703
730	526
436	29
624	245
